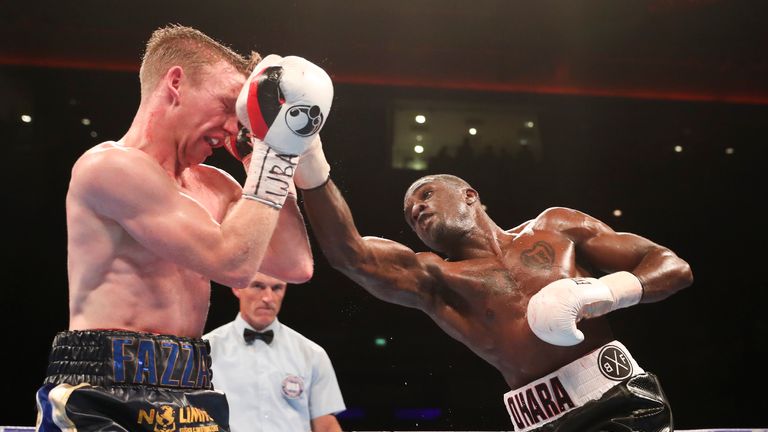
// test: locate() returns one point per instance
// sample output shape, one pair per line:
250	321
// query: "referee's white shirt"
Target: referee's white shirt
272	388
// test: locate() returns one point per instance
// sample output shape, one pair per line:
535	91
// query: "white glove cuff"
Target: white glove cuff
269	175
625	288
313	171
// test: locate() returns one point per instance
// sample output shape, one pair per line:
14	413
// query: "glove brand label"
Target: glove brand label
614	364
304	120
277	174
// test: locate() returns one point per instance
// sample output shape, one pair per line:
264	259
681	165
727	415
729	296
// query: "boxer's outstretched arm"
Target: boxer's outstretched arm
386	269
127	186
661	272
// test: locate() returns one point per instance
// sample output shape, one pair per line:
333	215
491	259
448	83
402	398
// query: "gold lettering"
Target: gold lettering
149	418
209	428
194	415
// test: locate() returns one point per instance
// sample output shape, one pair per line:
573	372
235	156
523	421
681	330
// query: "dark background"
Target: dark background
614	85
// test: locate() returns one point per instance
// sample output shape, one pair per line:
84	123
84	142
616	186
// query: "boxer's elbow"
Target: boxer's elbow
237	271
683	274
677	274
231	281
238	277
305	271
300	273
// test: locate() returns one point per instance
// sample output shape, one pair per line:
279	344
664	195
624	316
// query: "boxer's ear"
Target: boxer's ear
470	196
172	81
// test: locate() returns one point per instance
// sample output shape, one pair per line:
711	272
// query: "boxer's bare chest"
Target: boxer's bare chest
502	286
491	295
208	194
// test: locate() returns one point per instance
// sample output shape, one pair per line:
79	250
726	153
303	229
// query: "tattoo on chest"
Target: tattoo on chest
540	256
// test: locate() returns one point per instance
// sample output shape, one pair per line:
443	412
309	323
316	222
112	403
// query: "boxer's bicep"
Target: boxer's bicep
141	198
611	251
392	272
660	271
597	244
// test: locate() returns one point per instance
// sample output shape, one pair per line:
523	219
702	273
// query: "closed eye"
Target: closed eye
228	103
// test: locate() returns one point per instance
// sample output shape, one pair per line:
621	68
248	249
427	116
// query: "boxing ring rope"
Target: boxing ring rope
676	430
28	428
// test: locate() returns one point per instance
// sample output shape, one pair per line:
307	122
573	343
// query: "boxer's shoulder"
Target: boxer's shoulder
217	179
559	219
558	214
110	165
115	158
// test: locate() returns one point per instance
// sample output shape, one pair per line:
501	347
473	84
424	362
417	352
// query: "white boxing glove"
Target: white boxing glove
554	311
313	170
285	103
282	107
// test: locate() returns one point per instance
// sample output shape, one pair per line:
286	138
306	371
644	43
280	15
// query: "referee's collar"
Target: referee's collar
241	324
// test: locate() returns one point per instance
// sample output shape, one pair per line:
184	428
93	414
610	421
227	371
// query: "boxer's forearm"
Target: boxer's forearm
662	273
333	225
289	256
240	248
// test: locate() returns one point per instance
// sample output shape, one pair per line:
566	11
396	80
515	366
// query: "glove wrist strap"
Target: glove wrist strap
314	170
269	175
625	288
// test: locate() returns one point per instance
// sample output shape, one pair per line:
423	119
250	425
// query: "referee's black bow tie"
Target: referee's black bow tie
251	335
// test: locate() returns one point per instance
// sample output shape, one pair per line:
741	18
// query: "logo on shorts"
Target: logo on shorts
536	405
614	364
163	419
304	120
166	417
293	387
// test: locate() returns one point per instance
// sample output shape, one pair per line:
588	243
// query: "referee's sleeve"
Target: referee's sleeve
324	393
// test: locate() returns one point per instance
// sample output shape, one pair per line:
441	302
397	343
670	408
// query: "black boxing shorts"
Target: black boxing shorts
604	391
105	380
